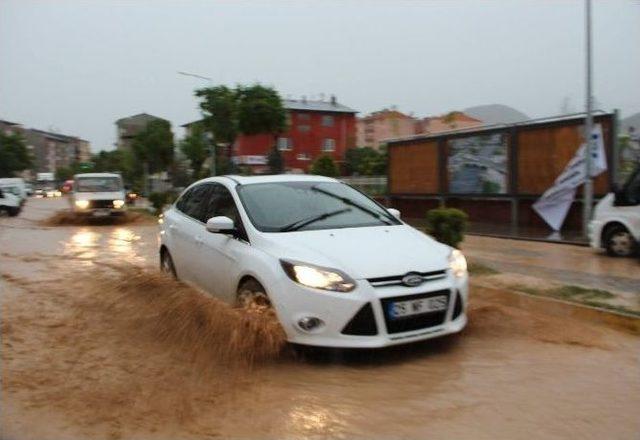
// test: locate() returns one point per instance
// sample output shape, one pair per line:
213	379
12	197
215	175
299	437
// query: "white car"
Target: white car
616	220
339	269
9	203
98	194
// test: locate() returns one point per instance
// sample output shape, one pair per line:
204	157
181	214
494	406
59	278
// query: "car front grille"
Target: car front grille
396	280
101	204
414	322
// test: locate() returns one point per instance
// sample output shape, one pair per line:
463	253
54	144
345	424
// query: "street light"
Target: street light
587	196
209	136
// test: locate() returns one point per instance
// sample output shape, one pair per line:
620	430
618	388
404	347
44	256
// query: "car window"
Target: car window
220	202
192	203
633	190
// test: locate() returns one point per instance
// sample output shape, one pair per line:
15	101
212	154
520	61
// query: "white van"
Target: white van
616	220
16	186
9	203
98	194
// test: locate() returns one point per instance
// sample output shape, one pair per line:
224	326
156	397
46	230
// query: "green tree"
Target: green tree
67	173
253	109
14	155
365	161
196	148
324	166
154	146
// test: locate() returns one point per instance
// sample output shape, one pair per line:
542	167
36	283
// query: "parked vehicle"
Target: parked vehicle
339	269
9	203
29	188
616	220
98	194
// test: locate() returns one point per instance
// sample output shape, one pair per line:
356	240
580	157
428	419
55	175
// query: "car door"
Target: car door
186	227
220	254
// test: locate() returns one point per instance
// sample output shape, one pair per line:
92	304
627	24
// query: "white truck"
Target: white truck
616	220
9	203
98	195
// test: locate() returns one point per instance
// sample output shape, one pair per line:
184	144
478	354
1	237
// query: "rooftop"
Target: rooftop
494	127
317	106
140	118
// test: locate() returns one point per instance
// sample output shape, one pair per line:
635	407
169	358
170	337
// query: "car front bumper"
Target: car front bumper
366	303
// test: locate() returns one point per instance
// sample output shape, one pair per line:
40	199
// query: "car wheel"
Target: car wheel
166	264
14	212
619	242
251	294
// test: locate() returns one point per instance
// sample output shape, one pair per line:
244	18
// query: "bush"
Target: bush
447	225
159	199
324	166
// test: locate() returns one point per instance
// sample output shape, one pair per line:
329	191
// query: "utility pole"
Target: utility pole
587	196
208	136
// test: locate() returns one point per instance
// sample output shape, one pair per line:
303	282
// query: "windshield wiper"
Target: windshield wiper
307	221
347	201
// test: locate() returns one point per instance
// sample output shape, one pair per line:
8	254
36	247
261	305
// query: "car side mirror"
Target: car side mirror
394	212
221	225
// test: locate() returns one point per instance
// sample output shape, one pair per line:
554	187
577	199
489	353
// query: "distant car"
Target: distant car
98	194
616	220
9	203
339	269
131	196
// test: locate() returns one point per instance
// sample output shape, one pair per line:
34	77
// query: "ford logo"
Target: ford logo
412	279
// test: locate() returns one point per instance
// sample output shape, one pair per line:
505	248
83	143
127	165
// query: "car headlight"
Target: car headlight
82	204
318	277
458	263
118	204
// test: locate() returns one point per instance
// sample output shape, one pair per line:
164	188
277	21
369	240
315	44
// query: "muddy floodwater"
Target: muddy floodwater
96	344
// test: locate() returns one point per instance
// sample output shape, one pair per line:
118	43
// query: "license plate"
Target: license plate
101	213
400	309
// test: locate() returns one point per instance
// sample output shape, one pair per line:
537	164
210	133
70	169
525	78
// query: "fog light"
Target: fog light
310	323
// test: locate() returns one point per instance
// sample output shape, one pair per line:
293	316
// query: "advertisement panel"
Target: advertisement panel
478	164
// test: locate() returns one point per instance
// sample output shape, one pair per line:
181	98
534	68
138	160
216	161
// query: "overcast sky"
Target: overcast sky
77	66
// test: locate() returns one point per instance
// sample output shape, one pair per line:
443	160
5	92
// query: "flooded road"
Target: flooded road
88	352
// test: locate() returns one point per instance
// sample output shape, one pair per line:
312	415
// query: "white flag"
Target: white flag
554	204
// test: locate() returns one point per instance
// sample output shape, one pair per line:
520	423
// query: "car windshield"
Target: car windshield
98	184
291	206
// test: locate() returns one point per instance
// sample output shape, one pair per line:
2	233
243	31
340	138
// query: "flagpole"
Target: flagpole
587	197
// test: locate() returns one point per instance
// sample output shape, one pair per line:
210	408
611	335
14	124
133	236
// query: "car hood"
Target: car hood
369	252
111	195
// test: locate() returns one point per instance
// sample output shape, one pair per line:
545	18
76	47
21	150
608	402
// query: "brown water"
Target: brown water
95	348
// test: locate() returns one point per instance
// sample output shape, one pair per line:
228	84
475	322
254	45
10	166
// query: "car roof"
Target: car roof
246	180
96	175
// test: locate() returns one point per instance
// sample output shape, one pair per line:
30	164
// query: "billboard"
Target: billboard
478	164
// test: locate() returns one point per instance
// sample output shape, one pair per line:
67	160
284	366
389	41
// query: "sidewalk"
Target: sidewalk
544	268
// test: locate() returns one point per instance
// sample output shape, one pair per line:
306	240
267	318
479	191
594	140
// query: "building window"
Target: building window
303	156
304	117
327	121
304	128
284	144
328	145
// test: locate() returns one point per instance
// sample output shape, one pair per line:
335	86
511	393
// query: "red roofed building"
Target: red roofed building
450	121
314	128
